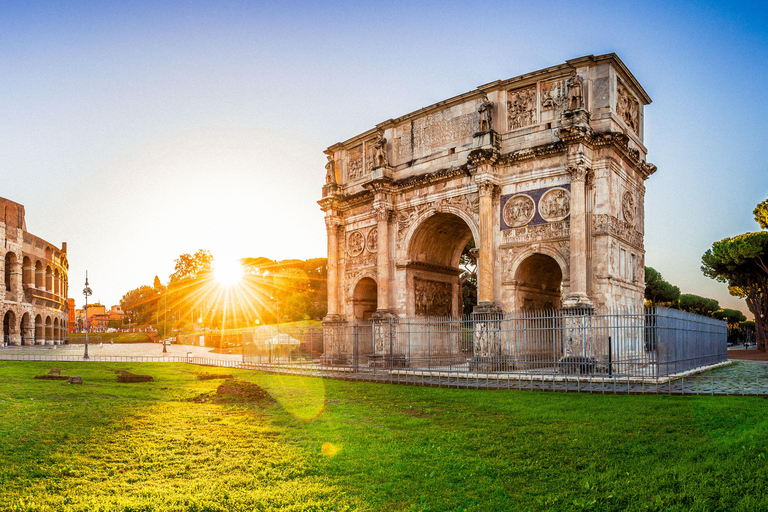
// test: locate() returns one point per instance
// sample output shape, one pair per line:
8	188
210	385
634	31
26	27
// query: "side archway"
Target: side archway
539	280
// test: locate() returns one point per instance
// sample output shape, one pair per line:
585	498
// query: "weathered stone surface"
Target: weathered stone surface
545	171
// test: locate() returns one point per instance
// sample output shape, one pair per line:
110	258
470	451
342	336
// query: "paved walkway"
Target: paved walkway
738	378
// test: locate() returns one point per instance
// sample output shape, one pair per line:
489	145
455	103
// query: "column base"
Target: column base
486	307
578	300
333	319
382	314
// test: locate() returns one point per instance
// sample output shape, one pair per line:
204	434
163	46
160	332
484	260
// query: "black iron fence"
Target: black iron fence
646	342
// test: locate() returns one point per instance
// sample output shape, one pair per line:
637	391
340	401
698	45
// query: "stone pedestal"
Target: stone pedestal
336	348
580	349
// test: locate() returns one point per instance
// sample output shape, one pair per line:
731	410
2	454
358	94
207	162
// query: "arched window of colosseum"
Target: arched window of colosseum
56	333
27	333
27	272
10	271
56	283
39	275
9	326
48	329
39	334
48	278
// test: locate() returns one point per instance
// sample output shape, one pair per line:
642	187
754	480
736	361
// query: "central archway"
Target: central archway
433	265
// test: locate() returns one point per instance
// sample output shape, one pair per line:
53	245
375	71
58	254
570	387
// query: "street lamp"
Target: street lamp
86	291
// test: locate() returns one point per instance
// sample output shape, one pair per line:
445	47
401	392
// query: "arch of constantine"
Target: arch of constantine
544	171
33	283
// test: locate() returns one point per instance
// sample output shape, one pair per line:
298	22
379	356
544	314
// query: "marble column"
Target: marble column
485	293
332	224
383	215
578	280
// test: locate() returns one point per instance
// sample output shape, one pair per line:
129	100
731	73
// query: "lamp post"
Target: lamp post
165	320
86	291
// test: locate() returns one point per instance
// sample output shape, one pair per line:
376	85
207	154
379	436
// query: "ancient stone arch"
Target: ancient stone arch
545	171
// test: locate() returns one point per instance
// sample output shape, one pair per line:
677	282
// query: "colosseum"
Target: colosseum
33	283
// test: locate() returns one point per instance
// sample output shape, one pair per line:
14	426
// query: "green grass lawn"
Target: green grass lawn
333	445
114	337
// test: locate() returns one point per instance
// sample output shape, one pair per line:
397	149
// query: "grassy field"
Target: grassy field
114	337
174	444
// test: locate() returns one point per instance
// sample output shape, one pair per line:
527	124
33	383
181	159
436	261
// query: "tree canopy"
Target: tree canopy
657	290
742	263
697	304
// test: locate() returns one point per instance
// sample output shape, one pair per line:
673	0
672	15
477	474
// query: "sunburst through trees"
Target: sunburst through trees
203	294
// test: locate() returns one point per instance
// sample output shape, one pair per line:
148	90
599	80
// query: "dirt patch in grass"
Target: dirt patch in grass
237	391
214	376
125	377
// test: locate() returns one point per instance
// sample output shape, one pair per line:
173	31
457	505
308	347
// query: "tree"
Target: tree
732	316
657	290
190	266
697	304
141	304
742	263
761	214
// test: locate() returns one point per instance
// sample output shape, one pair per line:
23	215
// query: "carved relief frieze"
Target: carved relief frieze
555	204
372	240
519	210
548	231
470	203
365	260
408	216
355	243
627	107
441	128
608	224
628	207
432	298
355	163
521	107
554	95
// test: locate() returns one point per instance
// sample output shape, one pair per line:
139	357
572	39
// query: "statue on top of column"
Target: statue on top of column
486	114
380	151
575	95
330	171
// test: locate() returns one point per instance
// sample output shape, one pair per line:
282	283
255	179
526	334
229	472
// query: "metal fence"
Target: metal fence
648	342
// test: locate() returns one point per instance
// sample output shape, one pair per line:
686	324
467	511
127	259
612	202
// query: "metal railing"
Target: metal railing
647	342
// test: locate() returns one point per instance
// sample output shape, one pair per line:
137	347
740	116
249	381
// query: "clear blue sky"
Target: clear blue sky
136	131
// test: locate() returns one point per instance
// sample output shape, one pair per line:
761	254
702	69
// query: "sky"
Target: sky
138	131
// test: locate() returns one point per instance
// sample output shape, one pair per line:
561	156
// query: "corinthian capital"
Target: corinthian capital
578	172
382	212
486	185
332	222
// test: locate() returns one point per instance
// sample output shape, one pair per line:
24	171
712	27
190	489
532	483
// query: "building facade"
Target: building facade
33	283
544	171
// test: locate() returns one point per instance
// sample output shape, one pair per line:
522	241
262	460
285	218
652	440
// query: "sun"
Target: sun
228	272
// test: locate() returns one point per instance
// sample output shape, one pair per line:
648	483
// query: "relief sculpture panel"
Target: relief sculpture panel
519	210
433	298
355	163
521	108
555	205
627	107
554	98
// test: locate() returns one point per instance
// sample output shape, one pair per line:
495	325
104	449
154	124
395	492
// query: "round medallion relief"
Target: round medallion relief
628	207
372	241
355	243
555	204
518	210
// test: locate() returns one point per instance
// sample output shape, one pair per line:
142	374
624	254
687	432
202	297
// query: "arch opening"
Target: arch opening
26	330
364	299
10	263
539	283
434	269
9	327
